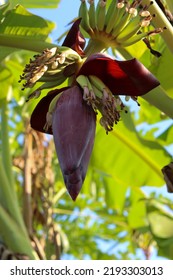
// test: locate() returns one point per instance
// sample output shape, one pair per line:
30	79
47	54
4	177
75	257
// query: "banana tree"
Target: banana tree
115	53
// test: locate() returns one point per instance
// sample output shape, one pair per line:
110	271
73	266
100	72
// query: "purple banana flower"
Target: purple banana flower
73	126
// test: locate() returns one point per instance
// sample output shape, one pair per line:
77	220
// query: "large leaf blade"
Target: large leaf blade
37	4
19	22
127	157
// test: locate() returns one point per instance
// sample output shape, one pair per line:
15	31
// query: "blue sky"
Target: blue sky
66	11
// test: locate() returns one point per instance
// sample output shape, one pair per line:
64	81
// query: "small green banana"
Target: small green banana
51	77
50	112
95	81
83	14
134	39
109	12
129	30
65	50
88	92
36	93
89	84
111	17
53	102
98	93
121	10
70	54
82	81
92	15
101	14
122	23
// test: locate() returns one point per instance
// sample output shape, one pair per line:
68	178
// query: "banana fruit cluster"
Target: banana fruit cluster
122	23
99	96
48	68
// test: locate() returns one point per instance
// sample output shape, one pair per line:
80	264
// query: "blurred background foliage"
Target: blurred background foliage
124	210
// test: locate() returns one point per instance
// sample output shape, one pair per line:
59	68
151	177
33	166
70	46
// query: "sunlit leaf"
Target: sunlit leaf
137	213
37	3
128	158
5	81
111	210
20	22
165	77
3	8
161	225
115	193
147	113
165	247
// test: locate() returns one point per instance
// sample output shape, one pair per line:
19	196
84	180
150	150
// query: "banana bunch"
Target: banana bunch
92	19
121	23
52	82
52	67
98	95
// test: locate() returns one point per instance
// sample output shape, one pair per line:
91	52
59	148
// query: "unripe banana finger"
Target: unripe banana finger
134	39
53	102
111	17
129	30
49	114
92	15
121	11
122	23
98	83
83	13
109	12
71	54
82	81
98	93
101	14
36	93
122	38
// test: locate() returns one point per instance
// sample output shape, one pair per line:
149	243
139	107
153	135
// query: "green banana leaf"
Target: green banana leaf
161	225
21	26
36	3
127	157
20	22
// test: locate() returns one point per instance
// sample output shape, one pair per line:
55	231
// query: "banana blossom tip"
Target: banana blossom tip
73	125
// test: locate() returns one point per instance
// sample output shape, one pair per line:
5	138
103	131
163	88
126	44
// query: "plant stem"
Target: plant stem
6	157
8	200
12	228
13	237
8	196
94	46
160	20
27	208
160	100
5	194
